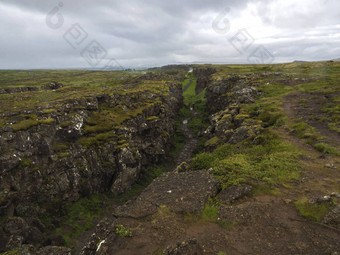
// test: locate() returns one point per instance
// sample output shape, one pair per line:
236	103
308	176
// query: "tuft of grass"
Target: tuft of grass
210	212
314	212
305	131
221	253
123	232
325	148
203	161
46	121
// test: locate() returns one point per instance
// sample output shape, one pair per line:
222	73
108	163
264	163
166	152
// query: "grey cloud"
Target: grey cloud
152	32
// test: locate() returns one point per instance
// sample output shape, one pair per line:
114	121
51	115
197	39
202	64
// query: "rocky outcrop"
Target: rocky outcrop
233	193
229	123
55	155
12	90
232	89
53	85
203	75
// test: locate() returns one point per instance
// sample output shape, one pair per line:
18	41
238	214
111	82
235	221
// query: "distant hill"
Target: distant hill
336	59
300	61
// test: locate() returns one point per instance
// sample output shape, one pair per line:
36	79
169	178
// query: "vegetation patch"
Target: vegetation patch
211	142
31	122
152	118
325	148
270	160
59	147
123	232
25	124
46	111
80	215
210	211
314	212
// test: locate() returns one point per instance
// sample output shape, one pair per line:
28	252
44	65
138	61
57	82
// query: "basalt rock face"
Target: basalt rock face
203	75
52	158
233	89
224	98
17	90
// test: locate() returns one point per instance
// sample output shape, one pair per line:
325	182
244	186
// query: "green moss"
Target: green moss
212	142
203	161
65	124
46	121
104	136
28	123
125	145
152	118
46	111
314	212
58	147
226	117
242	116
25	162
98	139
13	252
87	141
62	155
24	124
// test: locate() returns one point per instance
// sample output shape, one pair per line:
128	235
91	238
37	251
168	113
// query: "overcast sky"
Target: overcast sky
101	33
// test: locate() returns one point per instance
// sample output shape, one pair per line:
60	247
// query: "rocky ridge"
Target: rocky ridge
53	156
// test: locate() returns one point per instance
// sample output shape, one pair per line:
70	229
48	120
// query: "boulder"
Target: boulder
234	192
180	192
53	85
